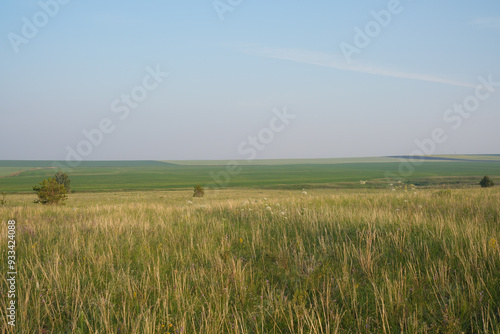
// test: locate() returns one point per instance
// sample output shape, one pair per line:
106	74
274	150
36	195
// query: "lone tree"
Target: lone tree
63	179
50	192
198	191
486	182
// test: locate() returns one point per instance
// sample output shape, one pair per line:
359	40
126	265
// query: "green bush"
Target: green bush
50	192
486	182
444	193
198	191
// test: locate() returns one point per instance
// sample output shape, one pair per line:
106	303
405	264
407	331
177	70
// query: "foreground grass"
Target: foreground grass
250	261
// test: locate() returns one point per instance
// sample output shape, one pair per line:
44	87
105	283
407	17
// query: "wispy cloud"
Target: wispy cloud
486	22
339	63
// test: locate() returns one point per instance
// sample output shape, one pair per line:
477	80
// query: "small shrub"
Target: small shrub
3	200
486	182
443	193
198	191
50	192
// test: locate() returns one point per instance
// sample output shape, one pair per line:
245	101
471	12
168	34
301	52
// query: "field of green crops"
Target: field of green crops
277	174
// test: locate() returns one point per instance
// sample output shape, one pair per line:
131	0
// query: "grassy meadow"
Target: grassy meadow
257	261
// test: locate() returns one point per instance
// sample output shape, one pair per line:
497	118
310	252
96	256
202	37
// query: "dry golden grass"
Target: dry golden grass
257	261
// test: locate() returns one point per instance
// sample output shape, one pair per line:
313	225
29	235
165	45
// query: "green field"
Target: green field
490	157
274	162
8	171
278	174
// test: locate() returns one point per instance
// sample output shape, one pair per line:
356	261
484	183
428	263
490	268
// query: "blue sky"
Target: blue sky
225	78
